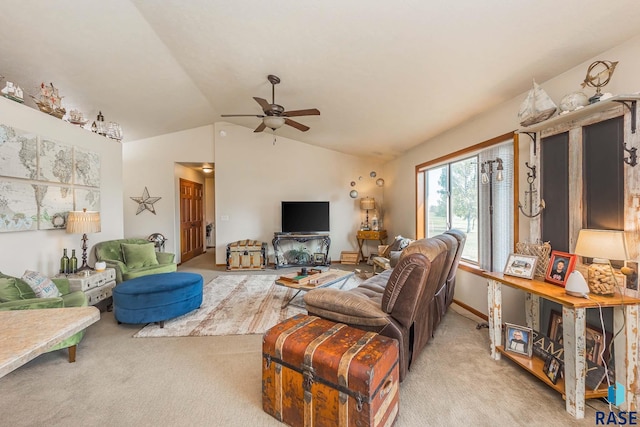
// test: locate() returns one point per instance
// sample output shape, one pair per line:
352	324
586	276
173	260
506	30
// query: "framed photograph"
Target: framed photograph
560	265
552	368
318	258
521	265
595	340
518	339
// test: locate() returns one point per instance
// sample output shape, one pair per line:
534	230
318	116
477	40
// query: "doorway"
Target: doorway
191	220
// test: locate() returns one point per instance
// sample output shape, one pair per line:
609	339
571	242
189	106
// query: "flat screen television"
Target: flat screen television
305	217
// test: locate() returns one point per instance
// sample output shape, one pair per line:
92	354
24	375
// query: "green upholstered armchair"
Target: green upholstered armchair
133	258
16	294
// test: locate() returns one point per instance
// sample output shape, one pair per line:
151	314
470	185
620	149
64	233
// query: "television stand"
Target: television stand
288	254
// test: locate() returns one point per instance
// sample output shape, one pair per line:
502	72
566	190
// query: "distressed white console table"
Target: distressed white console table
572	387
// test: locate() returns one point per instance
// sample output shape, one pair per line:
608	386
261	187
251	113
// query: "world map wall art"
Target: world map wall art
41	180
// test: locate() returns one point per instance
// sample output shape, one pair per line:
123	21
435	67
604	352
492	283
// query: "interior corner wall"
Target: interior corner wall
41	250
253	175
470	288
150	163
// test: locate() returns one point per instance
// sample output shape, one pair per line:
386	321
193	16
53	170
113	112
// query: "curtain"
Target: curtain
501	237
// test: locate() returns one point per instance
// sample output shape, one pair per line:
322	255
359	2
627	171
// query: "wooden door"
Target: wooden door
191	220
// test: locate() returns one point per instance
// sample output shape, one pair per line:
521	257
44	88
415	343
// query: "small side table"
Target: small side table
363	235
97	286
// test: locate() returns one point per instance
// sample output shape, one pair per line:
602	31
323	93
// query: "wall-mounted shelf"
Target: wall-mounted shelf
629	101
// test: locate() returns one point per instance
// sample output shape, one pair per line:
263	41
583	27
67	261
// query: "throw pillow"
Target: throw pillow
399	244
139	255
13	289
42	286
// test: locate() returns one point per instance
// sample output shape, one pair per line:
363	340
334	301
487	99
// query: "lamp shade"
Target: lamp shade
273	122
83	222
367	204
605	244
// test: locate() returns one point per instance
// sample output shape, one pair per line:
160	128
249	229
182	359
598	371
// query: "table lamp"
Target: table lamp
602	246
83	222
367	205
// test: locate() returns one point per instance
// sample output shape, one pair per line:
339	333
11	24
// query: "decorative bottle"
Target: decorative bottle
73	262
64	263
374	223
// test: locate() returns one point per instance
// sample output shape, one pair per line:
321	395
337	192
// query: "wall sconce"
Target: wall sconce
486	171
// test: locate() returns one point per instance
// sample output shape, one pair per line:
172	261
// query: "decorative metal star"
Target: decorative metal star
145	202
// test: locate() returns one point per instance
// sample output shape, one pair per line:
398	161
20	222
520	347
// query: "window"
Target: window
452	202
452	193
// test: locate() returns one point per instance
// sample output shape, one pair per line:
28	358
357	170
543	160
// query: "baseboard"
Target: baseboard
471	310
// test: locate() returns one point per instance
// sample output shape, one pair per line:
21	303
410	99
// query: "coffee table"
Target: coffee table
315	281
28	333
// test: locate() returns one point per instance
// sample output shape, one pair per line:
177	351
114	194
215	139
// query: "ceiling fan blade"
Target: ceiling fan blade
297	113
260	128
296	125
263	103
241	115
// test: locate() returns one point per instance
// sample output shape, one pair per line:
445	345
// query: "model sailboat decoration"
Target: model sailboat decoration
13	92
537	107
50	101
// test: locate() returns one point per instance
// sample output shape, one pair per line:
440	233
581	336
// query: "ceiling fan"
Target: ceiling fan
274	115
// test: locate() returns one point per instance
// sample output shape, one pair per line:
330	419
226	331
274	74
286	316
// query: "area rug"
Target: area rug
236	305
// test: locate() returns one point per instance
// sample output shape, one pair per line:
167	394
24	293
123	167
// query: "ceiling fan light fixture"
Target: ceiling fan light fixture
273	122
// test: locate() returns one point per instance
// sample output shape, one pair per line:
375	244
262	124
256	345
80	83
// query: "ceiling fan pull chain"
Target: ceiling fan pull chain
274	139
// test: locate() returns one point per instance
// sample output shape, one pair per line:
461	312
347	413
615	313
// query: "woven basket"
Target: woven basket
542	251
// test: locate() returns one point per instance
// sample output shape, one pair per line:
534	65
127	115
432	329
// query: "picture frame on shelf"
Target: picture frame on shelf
560	266
319	258
521	265
518	339
596	342
552	368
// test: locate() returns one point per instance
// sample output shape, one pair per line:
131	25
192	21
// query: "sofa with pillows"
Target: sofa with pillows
36	291
406	302
133	258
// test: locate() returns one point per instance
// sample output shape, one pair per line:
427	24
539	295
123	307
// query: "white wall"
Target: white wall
41	250
151	163
253	175
400	191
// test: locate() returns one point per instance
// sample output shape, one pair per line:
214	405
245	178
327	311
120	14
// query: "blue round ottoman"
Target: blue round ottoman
157	297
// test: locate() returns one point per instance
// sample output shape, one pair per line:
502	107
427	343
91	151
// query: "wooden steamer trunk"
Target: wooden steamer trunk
246	255
319	373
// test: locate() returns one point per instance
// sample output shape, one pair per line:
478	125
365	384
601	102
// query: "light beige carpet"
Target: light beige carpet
235	305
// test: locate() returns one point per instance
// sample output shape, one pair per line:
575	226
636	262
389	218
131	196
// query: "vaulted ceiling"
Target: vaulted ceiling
385	75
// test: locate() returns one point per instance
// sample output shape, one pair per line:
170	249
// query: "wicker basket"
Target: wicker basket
542	251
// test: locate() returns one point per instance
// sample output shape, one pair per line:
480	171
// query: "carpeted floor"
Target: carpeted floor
216	381
236	305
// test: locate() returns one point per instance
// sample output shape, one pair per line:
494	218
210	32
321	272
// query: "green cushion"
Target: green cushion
32	304
136	255
12	289
75	299
160	268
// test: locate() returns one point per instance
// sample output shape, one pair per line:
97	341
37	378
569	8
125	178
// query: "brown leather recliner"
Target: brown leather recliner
455	240
389	302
